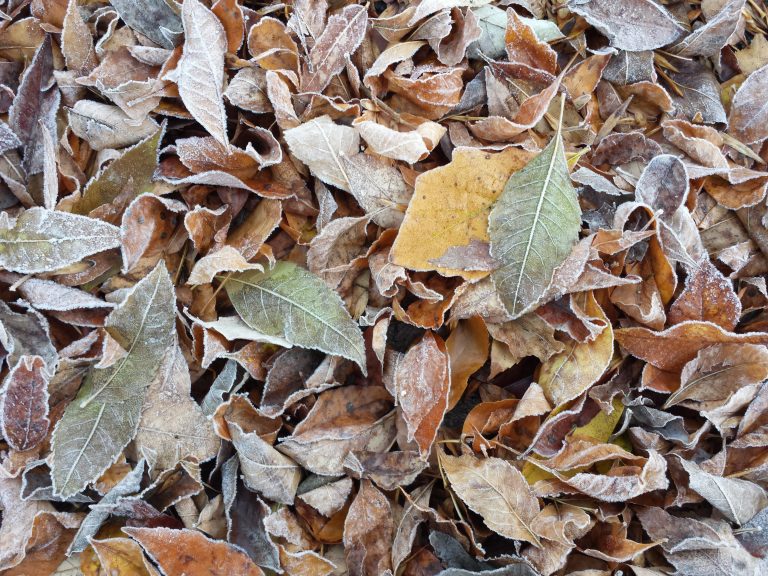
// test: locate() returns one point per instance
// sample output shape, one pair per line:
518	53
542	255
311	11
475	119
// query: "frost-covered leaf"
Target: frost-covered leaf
104	416
24	404
43	240
126	177
322	144
342	35
289	302
497	491
634	25
155	19
532	228
201	69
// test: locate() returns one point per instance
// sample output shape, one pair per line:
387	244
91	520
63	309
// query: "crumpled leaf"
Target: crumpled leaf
368	532
34	108
290	302
342	35
104	415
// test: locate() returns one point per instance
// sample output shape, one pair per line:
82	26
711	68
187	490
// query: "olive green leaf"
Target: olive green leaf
128	176
532	228
291	302
105	414
43	240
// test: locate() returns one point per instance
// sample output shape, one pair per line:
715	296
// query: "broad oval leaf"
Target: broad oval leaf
105	414
532	228
44	240
292	303
497	491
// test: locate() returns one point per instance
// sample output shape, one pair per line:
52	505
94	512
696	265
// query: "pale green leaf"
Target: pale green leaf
292	303
43	240
532	228
493	24
105	414
130	174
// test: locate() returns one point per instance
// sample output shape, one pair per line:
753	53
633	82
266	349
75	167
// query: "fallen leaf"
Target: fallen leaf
104	415
201	69
298	306
202	555
532	228
497	491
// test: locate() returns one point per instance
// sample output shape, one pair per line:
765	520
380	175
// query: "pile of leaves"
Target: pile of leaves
418	288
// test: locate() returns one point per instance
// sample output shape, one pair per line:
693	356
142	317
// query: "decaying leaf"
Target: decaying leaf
426	288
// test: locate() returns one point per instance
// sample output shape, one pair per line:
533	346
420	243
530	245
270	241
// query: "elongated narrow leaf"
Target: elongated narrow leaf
43	240
201	69
532	228
292	303
104	415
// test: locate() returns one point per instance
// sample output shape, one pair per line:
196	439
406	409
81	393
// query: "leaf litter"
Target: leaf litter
405	287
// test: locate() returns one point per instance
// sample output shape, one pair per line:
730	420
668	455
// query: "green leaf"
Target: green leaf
43	240
292	303
105	414
532	228
130	174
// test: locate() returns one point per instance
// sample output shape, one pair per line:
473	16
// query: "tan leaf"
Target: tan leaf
567	374
368	533
497	491
201	69
342	35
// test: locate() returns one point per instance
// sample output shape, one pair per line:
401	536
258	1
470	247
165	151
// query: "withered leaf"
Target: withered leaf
635	26
450	207
104	416
422	384
24	404
202	556
497	491
321	144
34	108
368	533
342	35
201	69
155	19
749	117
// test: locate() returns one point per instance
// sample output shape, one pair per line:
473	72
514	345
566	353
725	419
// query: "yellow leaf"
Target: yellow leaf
450	208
